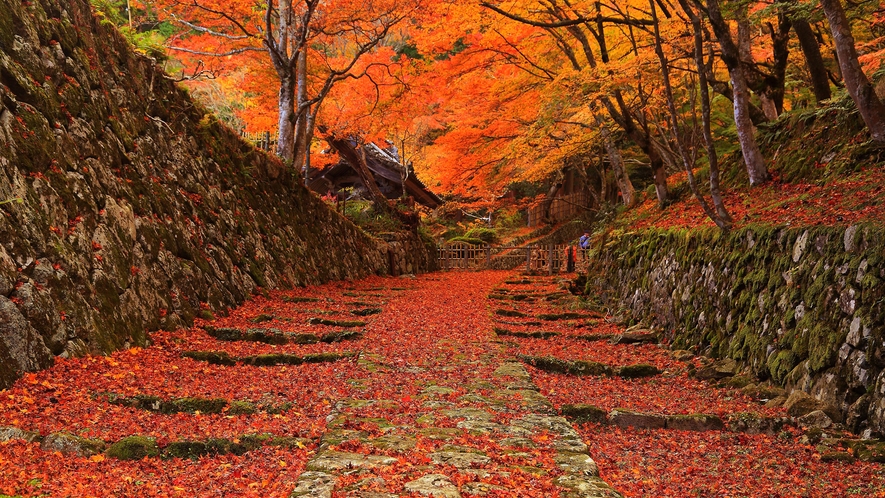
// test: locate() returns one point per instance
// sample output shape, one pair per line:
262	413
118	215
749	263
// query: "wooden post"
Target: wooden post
488	256
528	259
550	257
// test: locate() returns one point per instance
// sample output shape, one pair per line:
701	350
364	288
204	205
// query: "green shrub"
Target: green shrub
487	235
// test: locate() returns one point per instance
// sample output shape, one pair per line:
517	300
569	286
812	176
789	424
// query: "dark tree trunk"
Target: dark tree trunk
817	71
753	159
871	108
628	192
723	222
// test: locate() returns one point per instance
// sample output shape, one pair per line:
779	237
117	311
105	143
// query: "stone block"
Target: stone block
695	422
626	418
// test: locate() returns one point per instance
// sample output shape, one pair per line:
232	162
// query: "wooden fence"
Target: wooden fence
562	208
539	258
264	140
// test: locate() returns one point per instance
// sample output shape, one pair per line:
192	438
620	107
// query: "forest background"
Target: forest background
642	99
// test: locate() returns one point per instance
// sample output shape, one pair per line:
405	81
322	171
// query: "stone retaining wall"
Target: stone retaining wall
804	307
139	210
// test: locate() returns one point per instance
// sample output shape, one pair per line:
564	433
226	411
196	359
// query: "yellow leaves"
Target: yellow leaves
97	458
134	351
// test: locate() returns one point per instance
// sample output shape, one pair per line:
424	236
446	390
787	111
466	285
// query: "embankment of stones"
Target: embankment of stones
802	307
138	210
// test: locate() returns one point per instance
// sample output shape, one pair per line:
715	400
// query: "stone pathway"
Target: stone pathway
529	419
477	427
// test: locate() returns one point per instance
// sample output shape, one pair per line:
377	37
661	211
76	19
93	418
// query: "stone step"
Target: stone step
136	447
263	360
583	367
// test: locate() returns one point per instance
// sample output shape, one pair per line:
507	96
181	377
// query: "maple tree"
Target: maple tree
306	46
485	94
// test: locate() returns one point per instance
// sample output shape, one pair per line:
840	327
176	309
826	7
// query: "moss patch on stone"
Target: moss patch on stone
366	311
510	313
336	323
534	334
134	448
638	370
263	360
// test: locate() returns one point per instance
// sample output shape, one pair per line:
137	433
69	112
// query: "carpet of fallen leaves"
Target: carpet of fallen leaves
838	201
639	462
434	330
681	463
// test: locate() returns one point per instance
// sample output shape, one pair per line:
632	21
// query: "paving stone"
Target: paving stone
574	445
586	487
530	400
70	444
512	369
577	464
461	460
338	436
483	427
13	433
436	405
328	461
440	433
517	442
394	442
469	414
437	391
314	485
480	488
436	485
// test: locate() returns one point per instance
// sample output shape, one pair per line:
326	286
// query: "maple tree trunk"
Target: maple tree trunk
753	159
817	71
301	139
551	195
872	110
723	222
286	124
628	193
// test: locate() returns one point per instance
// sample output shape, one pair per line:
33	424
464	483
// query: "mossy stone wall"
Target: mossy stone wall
139	209
804	307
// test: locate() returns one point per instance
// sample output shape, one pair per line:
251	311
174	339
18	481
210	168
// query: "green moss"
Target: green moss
264	317
510	313
134	448
556	365
336	323
193	405
781	364
213	357
366	311
239	407
341	335
638	370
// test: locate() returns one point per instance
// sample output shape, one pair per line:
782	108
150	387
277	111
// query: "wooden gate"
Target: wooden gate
538	258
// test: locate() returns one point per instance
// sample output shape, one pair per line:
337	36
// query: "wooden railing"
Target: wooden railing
541	258
264	140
